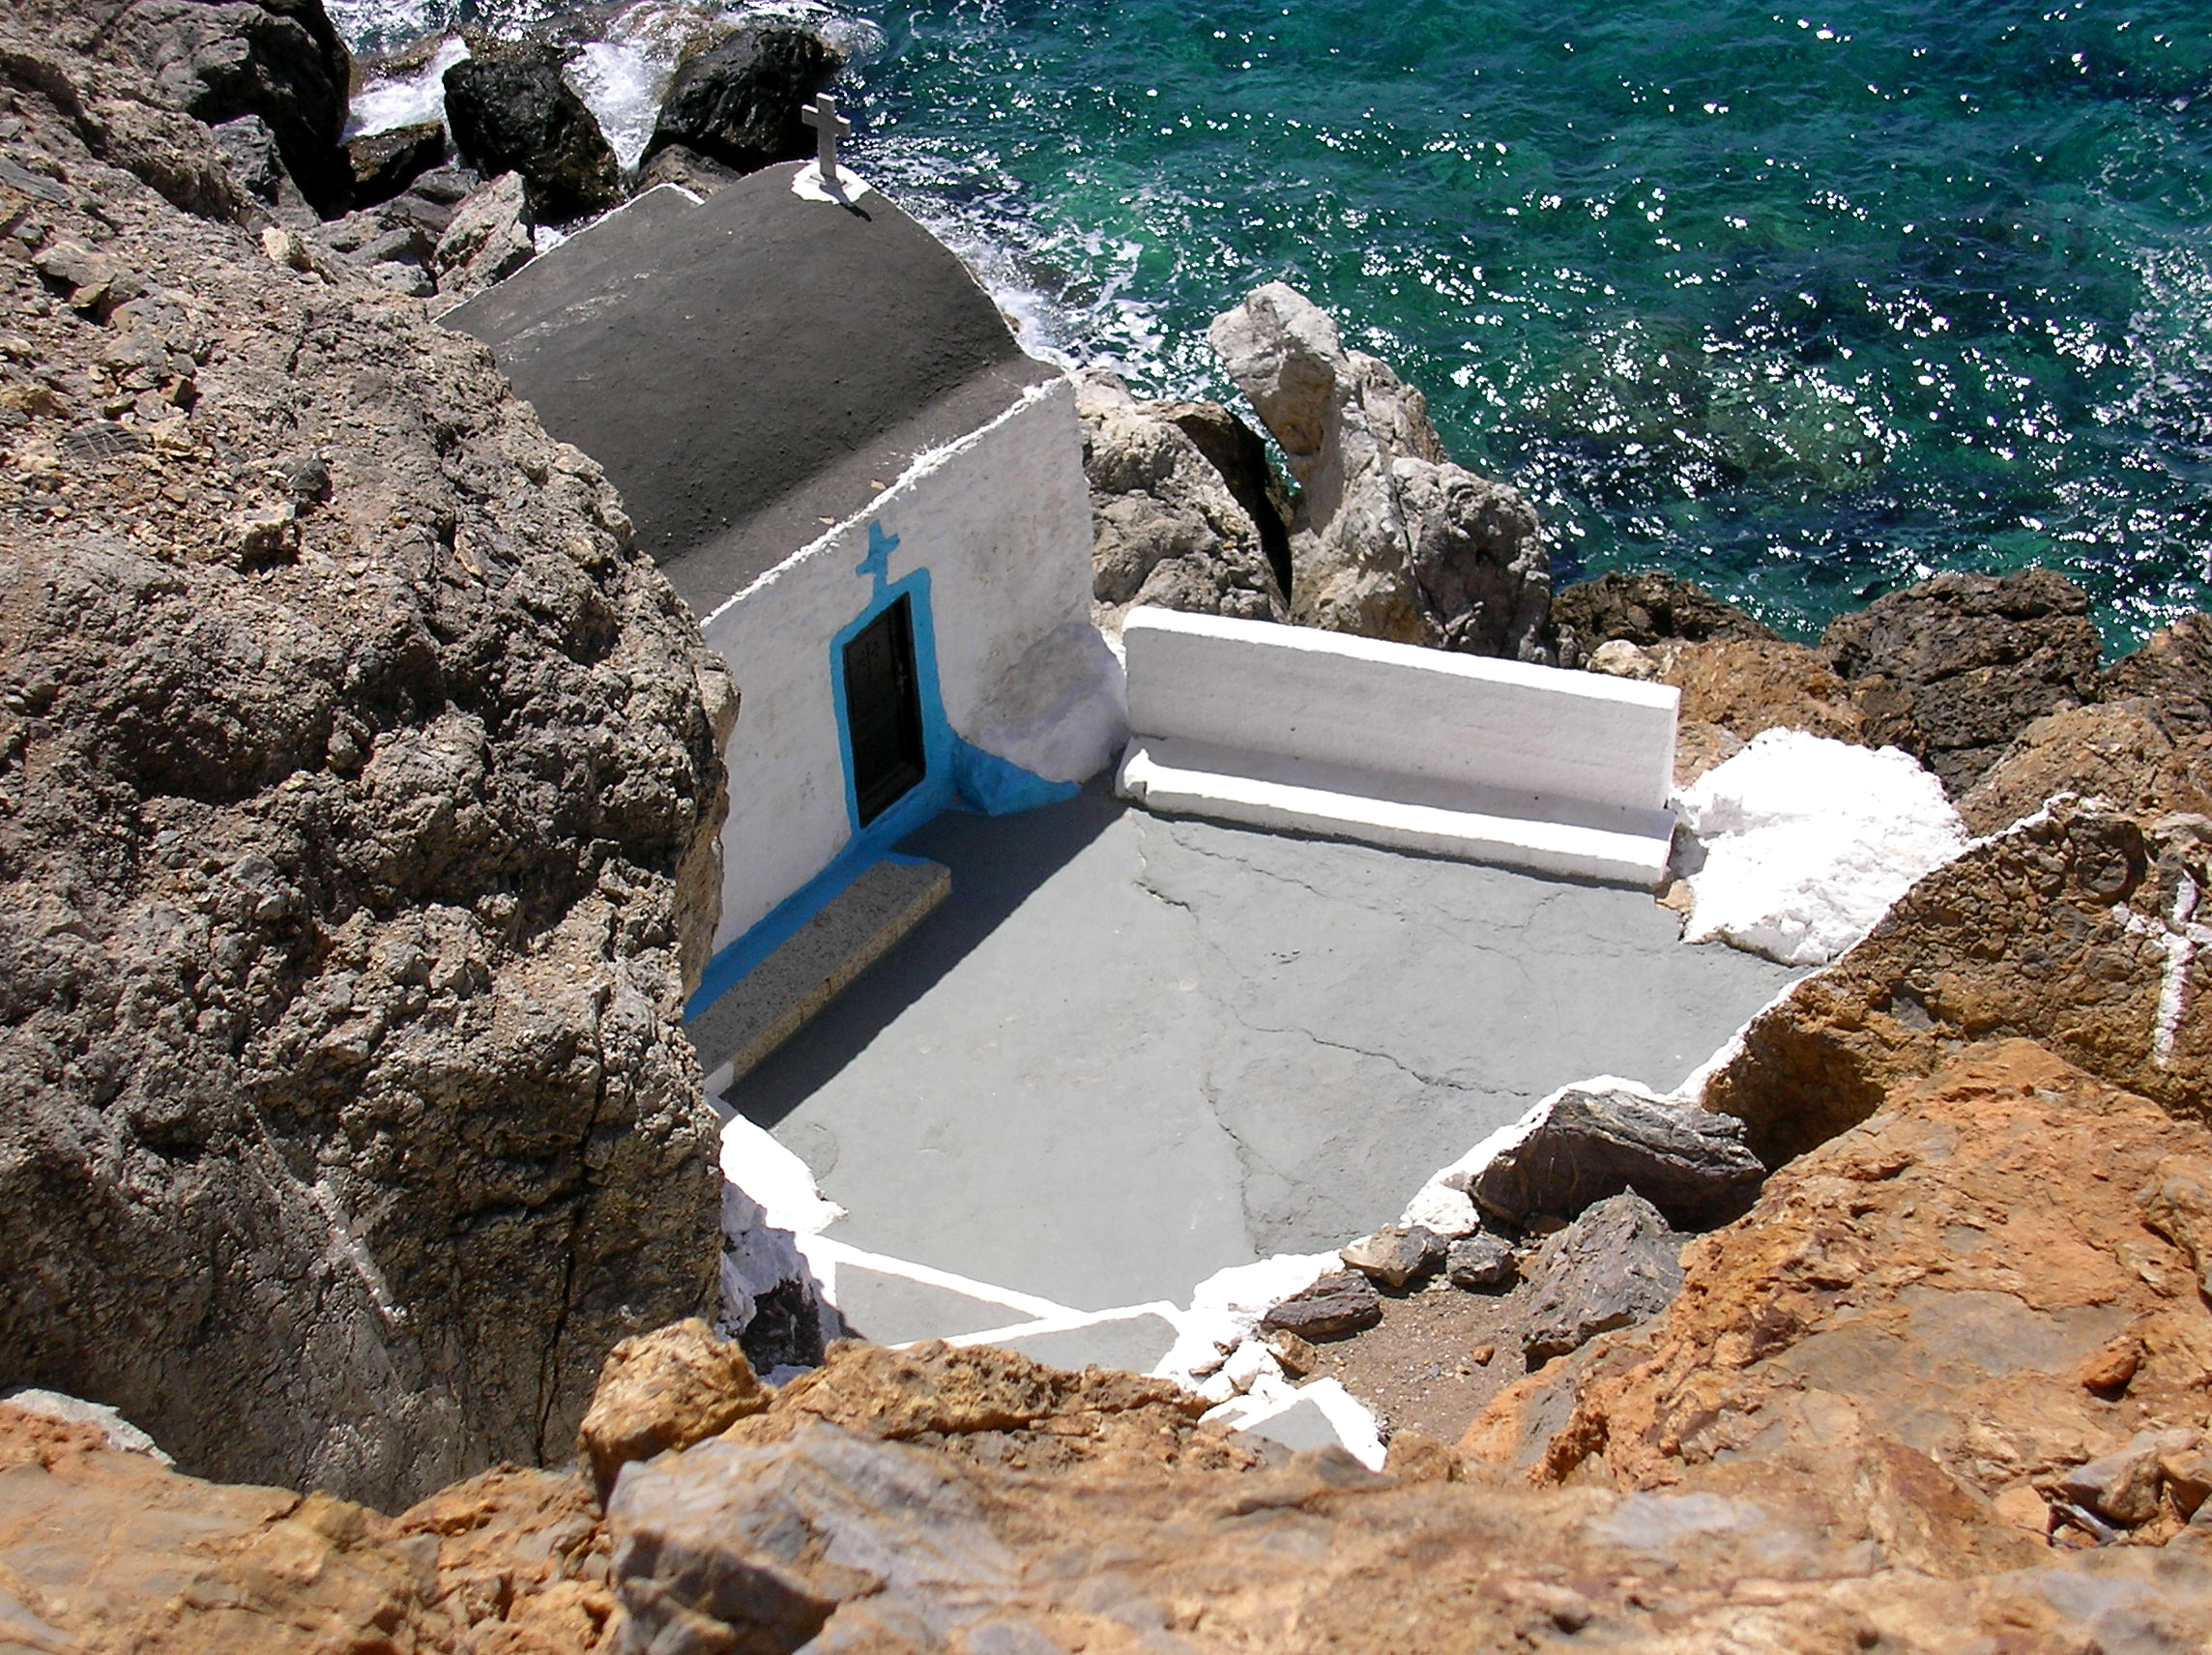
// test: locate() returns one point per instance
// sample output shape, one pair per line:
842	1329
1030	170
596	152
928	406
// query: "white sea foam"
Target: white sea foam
406	100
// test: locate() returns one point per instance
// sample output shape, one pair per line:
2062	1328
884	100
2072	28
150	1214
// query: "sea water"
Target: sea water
1801	304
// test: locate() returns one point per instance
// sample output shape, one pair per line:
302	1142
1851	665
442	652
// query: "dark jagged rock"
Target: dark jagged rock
1237	452
1337	1304
216	60
514	113
1616	1265
258	166
384	163
1481	1262
1645	609
1693	1166
358	792
737	102
1952	669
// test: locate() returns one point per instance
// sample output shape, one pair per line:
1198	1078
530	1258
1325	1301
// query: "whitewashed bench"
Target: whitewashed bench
1488	761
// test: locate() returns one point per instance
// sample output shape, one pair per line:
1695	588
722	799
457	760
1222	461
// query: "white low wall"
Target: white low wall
1401	710
1001	521
1294	728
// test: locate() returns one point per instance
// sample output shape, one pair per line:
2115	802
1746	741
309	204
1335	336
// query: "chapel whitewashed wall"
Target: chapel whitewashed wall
1001	521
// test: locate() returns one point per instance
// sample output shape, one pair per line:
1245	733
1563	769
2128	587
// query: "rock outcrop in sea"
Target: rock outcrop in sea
1389	540
359	796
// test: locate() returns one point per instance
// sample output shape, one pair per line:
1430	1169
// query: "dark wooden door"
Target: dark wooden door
883	705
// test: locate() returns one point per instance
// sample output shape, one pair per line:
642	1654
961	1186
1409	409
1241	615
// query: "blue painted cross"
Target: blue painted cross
878	561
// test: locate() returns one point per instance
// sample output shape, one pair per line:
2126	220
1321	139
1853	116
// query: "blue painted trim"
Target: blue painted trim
955	773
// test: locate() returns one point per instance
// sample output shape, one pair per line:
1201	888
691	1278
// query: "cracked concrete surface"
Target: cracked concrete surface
1130	1050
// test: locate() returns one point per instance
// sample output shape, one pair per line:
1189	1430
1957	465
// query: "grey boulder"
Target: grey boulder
1693	1166
1169	528
1397	1255
1389	540
723	1546
1616	1266
1479	1261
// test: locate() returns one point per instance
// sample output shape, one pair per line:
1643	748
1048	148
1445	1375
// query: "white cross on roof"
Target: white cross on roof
828	126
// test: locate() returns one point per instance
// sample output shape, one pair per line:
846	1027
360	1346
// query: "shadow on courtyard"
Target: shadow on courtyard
997	864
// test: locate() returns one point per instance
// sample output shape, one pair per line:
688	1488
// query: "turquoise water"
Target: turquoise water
1802	305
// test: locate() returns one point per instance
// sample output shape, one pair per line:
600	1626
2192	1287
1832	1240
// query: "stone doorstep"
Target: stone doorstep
1613	845
855	928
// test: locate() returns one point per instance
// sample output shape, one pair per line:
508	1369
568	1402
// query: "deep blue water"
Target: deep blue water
1802	305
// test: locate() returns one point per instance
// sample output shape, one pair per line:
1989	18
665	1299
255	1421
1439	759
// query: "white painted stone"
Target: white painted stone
807	183
774	1181
1062	711
1247	1362
1334	699
1808	841
1001	521
1355	1426
1292	728
1448	1211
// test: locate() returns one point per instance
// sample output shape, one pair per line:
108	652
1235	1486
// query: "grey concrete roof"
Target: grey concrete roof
745	367
1130	1050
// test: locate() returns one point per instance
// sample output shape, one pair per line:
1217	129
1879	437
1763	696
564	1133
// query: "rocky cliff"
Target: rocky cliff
359	790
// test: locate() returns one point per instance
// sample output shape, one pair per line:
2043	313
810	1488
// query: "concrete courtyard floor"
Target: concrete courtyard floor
1131	1050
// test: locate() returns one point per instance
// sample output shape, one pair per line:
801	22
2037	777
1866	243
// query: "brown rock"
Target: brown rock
103	1551
361	816
1417	1457
2122	1487
2173	668
1952	669
906	1545
2177	1203
1341	1303
2112	1365
2063	929
2187	1470
666	1389
1644	609
1905	1313
2127	752
1396	1254
1616	1265
1296	1358
1749	685
998	1407
522	1561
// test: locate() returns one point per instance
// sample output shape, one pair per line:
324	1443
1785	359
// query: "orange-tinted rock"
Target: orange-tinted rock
999	1407
103	1551
2129	752
1749	685
2075	929
666	1389
1907	1313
